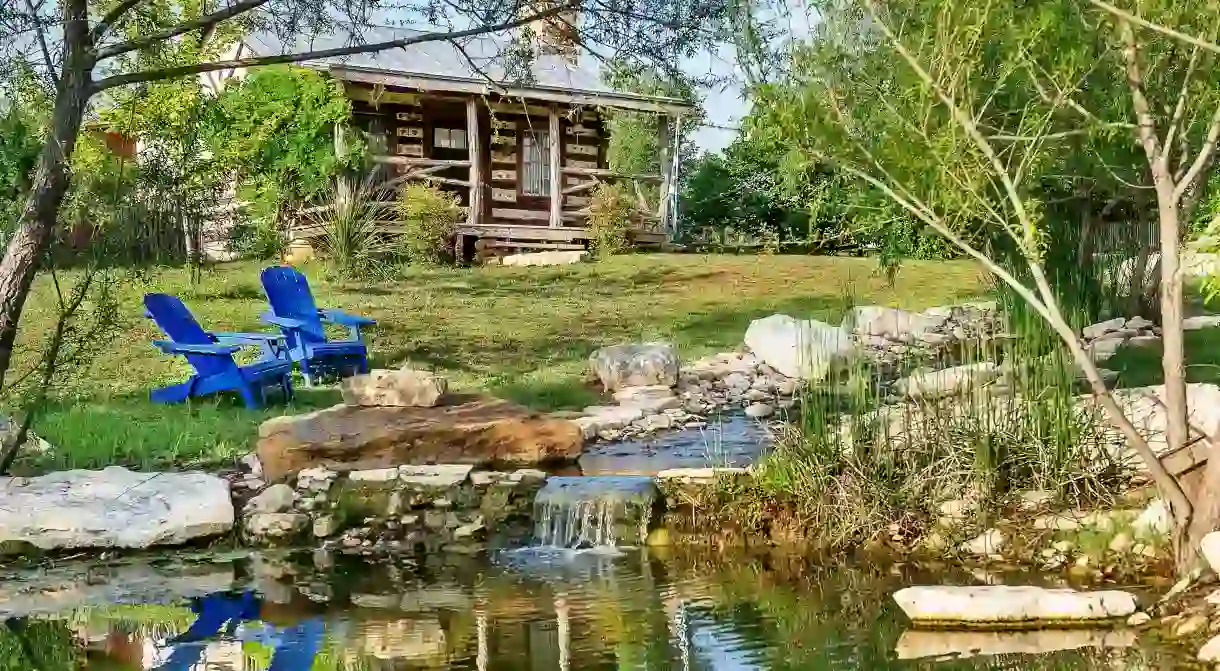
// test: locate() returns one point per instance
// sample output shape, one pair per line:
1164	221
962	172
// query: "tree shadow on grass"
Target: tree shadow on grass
553	394
132	431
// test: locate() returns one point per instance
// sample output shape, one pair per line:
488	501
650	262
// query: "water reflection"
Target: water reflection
692	611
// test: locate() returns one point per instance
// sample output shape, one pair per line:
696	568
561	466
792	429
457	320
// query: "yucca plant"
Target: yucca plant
350	241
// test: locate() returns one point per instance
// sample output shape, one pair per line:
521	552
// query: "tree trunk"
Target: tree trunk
37	220
1173	362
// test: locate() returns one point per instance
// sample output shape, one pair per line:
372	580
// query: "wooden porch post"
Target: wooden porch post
474	153
665	145
556	169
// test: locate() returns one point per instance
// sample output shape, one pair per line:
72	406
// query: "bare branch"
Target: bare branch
169	73
42	42
184	27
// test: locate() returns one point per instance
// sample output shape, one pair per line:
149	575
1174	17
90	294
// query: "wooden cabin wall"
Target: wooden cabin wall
405	123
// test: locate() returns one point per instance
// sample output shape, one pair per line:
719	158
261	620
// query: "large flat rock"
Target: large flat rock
112	508
1003	605
468	430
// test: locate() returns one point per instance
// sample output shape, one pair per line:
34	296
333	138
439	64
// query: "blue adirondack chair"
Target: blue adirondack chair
293	310
211	355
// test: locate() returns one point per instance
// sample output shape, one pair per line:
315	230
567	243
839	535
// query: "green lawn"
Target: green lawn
524	334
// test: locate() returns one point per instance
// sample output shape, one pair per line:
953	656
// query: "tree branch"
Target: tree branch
1145	123
1128	17
174	31
168	73
42	43
1202	161
1180	108
112	17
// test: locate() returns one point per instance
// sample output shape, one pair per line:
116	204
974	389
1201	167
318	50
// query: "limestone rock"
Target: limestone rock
651	398
759	410
1210	546
1145	407
947	382
892	323
440	476
1210	652
473	430
275	526
607	418
1155	520
620	366
275	499
1000	604
801	349
1201	322
989	542
1102	328
548	258
405	387
113	508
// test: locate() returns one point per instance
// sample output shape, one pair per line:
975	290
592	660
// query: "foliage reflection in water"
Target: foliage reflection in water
541	610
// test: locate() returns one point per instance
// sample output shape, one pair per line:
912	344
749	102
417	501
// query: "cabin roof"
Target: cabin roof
471	65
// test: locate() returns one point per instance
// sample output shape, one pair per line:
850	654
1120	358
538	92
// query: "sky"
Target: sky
726	105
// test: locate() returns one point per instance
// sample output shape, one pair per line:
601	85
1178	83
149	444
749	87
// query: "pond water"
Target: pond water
729	439
531	609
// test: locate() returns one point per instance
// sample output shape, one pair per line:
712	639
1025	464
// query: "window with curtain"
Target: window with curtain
536	164
450	138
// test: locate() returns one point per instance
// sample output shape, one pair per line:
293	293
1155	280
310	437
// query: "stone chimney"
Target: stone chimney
555	35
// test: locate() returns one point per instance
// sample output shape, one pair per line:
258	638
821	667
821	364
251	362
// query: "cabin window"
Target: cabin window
536	164
450	138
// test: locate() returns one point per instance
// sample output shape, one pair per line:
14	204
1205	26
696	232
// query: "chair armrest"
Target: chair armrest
282	322
341	317
227	338
170	347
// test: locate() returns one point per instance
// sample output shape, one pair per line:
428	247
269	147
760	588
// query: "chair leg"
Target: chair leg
286	386
248	397
307	373
364	362
175	393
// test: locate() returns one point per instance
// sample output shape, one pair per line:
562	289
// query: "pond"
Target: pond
530	609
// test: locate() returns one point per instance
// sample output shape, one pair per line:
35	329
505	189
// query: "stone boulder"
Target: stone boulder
402	388
654	398
947	382
1145	407
802	349
473	430
620	366
112	508
892	323
1004	605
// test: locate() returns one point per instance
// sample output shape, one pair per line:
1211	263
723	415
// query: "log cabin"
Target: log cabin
522	153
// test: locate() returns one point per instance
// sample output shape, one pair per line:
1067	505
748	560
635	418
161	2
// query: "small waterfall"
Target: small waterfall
594	512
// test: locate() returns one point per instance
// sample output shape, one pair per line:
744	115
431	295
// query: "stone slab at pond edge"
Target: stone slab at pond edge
997	606
111	508
475	430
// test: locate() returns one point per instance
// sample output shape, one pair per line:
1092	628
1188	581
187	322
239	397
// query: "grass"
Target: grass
524	334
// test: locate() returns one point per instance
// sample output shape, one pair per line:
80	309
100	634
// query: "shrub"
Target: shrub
609	220
429	217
